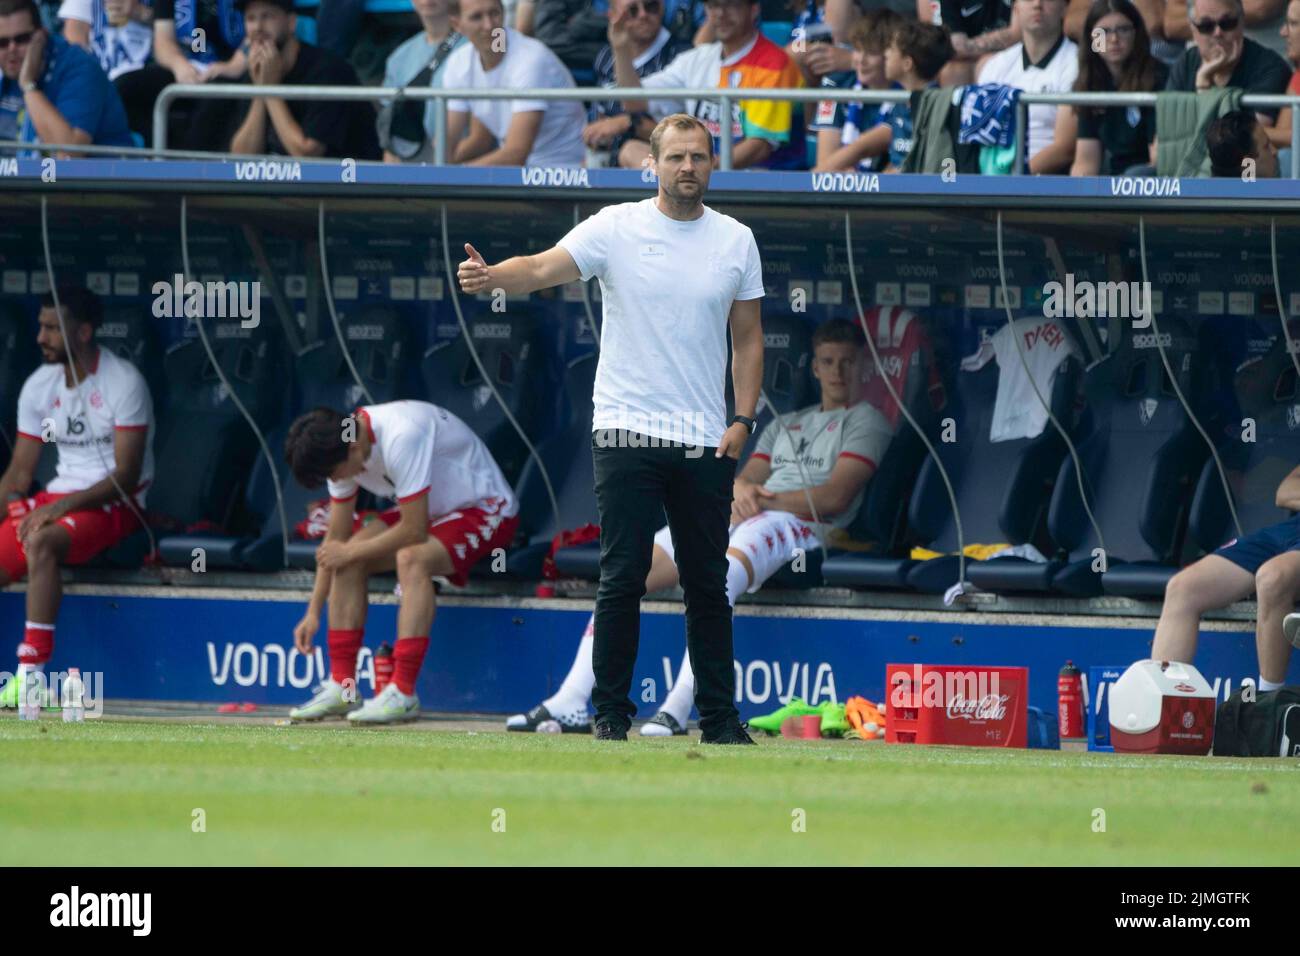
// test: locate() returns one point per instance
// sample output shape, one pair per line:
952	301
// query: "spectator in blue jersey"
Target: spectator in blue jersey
198	41
1113	139
913	60
50	90
406	128
610	126
838	124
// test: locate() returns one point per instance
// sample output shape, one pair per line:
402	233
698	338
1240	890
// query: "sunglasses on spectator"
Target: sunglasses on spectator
21	39
1226	24
649	7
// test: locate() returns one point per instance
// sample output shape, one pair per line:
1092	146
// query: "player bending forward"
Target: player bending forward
453	508
839	443
103	432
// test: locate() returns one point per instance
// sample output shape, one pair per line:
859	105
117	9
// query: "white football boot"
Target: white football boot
390	707
329	701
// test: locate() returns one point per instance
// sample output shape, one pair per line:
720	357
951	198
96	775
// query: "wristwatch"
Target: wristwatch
747	422
30	85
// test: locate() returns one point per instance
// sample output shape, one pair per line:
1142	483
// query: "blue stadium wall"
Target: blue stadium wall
491	657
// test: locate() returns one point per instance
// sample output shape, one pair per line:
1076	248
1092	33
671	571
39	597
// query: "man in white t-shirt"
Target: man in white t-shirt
96	409
453	508
1045	61
674	275
518	132
824	454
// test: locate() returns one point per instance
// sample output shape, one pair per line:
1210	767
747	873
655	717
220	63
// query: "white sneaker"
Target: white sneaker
390	707
329	701
1291	628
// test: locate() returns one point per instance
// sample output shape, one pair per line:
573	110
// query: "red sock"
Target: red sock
37	645
344	646
408	655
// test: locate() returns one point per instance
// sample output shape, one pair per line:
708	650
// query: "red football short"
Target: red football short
91	532
469	535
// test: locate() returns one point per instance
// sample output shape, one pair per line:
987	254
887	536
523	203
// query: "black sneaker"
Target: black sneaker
732	734
609	729
575	723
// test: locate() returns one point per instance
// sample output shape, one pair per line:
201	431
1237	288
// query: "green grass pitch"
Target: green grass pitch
125	793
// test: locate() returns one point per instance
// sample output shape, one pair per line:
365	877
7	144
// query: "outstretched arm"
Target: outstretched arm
517	276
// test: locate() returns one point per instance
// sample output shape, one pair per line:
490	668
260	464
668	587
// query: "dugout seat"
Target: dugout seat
1267	393
380	344
1002	490
514	355
18	358
206	449
1140	455
567	456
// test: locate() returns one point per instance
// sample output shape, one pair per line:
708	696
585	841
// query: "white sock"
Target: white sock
680	698
1267	685
576	689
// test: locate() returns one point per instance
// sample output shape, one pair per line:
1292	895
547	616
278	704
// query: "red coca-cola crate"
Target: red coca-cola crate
949	704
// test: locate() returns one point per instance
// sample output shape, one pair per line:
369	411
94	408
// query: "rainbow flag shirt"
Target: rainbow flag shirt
759	65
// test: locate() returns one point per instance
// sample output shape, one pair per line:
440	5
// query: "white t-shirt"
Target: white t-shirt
113	397
418	447
1017	412
527	63
667	288
1055	74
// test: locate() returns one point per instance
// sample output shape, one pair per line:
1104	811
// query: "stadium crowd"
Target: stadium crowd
89	71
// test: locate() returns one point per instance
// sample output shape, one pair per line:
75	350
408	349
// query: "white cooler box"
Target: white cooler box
1162	707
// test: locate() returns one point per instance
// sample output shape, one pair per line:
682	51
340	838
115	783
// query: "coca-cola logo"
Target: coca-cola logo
988	707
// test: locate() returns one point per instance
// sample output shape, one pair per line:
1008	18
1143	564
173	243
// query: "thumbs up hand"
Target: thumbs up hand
473	272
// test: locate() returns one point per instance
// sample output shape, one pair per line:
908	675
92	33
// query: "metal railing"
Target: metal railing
724	98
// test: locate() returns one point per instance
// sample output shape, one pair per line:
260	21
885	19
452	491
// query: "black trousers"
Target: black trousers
635	487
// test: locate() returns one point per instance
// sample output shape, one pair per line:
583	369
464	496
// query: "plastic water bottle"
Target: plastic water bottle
74	696
29	693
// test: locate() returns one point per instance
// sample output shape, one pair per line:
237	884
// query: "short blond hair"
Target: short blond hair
678	121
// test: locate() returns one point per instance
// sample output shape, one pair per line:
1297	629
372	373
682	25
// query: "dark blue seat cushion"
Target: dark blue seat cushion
221	551
580	561
1138	579
1001	575
866	571
1077	578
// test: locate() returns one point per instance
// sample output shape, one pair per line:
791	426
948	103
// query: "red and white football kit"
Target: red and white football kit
417	447
82	423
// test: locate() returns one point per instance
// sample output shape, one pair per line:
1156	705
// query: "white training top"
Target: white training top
1017	412
418	447
666	288
527	63
1055	73
113	397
